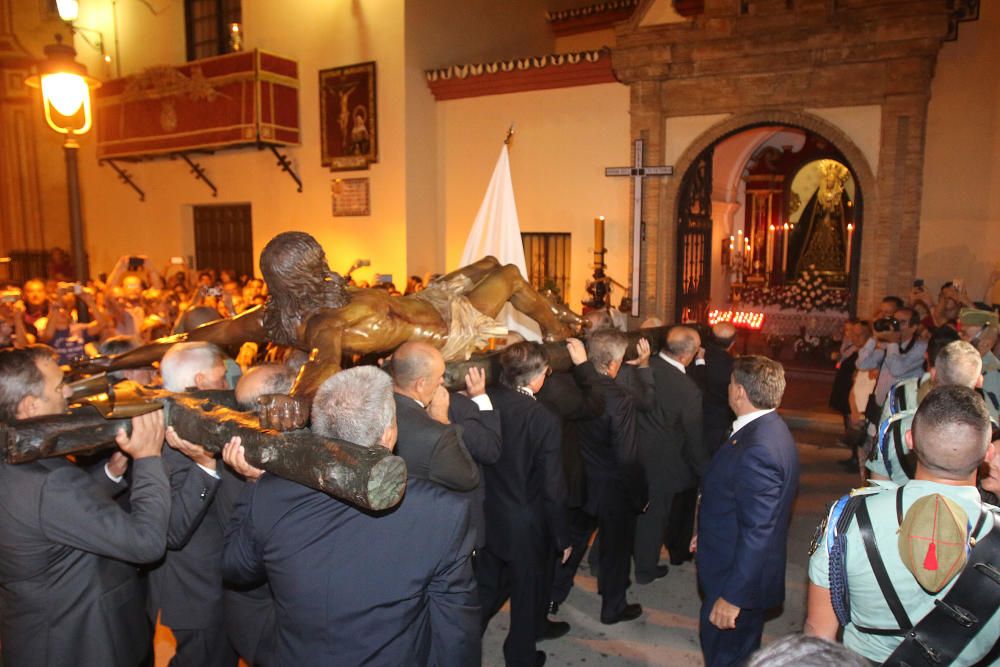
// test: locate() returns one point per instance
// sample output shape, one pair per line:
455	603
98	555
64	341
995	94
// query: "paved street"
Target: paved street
667	633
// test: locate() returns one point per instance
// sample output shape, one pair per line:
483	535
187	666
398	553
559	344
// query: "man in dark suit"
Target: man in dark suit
616	485
69	588
671	446
473	413
746	503
185	588
525	504
431	446
248	611
353	588
711	370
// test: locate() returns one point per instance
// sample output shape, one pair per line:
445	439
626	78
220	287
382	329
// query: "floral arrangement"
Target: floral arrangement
808	292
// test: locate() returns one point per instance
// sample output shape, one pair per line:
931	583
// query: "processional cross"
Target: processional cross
638	172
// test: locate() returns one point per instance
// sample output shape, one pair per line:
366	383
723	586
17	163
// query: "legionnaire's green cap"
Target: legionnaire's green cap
934	541
973	317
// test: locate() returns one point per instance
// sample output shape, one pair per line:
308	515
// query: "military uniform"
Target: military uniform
991	385
868	607
890	458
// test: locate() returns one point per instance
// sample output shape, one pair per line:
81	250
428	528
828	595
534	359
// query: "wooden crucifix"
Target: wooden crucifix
638	172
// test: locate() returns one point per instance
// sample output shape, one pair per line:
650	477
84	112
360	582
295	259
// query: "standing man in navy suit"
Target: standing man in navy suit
746	503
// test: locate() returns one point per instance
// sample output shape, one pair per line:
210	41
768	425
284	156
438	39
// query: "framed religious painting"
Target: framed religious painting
348	127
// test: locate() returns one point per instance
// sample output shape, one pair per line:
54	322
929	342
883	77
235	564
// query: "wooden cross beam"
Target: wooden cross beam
637	172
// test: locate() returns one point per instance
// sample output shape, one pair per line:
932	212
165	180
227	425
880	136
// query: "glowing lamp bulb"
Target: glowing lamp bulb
65	92
68	9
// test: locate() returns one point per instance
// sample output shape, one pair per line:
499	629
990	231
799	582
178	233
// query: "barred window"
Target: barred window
547	255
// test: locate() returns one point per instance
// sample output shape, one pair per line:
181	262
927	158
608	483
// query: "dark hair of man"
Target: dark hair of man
20	377
866	326
942	338
896	302
194	318
118	345
951	431
762	378
911	319
299	283
521	363
799	650
606	346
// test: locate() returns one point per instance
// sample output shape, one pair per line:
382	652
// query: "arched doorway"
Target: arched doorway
740	175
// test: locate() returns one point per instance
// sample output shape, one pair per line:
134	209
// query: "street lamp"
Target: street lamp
66	90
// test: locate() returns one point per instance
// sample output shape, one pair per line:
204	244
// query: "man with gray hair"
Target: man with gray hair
382	600
185	589
248	612
616	485
671	446
956	364
746	504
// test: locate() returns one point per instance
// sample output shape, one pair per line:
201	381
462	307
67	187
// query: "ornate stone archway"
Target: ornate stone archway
747	61
867	184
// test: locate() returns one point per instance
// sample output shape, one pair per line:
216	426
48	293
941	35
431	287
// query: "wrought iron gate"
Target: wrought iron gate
694	240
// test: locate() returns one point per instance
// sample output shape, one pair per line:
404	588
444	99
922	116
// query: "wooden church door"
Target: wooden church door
694	241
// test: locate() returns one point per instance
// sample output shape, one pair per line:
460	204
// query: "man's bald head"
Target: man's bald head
417	370
724	334
683	343
261	380
651	322
951	432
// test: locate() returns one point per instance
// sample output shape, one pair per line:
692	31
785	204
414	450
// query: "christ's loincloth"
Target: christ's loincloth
468	329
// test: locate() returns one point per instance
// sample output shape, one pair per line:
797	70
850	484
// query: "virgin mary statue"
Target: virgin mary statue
825	222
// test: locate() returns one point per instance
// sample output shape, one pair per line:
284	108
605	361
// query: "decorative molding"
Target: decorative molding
561	70
590	18
961	11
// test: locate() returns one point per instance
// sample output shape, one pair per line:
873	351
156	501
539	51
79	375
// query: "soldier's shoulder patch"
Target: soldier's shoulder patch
819	535
876	487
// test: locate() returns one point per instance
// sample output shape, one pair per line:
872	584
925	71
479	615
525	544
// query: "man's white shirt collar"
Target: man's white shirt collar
743	420
673	362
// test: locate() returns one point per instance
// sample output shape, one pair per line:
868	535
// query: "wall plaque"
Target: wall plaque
350	197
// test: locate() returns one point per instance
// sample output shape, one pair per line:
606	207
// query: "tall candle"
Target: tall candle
784	257
770	248
850	238
598	234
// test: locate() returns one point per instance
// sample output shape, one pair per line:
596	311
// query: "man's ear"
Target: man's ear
933	373
991	451
199	380
388	439
979	382
908	438
27	407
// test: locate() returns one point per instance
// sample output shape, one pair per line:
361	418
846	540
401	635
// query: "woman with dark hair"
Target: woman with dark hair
525	504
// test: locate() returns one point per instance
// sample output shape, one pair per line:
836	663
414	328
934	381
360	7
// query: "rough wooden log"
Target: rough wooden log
559	360
371	478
